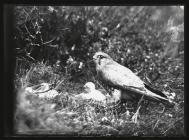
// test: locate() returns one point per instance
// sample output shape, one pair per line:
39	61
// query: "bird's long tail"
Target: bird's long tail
152	94
158	95
155	93
148	91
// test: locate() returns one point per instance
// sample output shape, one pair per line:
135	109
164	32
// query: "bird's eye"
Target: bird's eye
101	56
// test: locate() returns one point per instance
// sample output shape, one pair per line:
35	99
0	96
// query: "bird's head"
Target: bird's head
101	58
89	86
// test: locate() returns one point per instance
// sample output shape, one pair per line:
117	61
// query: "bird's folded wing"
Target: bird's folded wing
124	78
146	92
120	76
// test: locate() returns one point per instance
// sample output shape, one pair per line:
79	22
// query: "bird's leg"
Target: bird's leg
135	116
139	102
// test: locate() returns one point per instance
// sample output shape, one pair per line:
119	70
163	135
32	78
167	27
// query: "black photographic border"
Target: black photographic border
9	95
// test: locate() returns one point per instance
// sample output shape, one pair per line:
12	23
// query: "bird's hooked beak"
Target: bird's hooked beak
96	60
94	57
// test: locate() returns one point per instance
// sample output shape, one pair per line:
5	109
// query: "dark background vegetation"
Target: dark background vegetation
137	37
57	43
